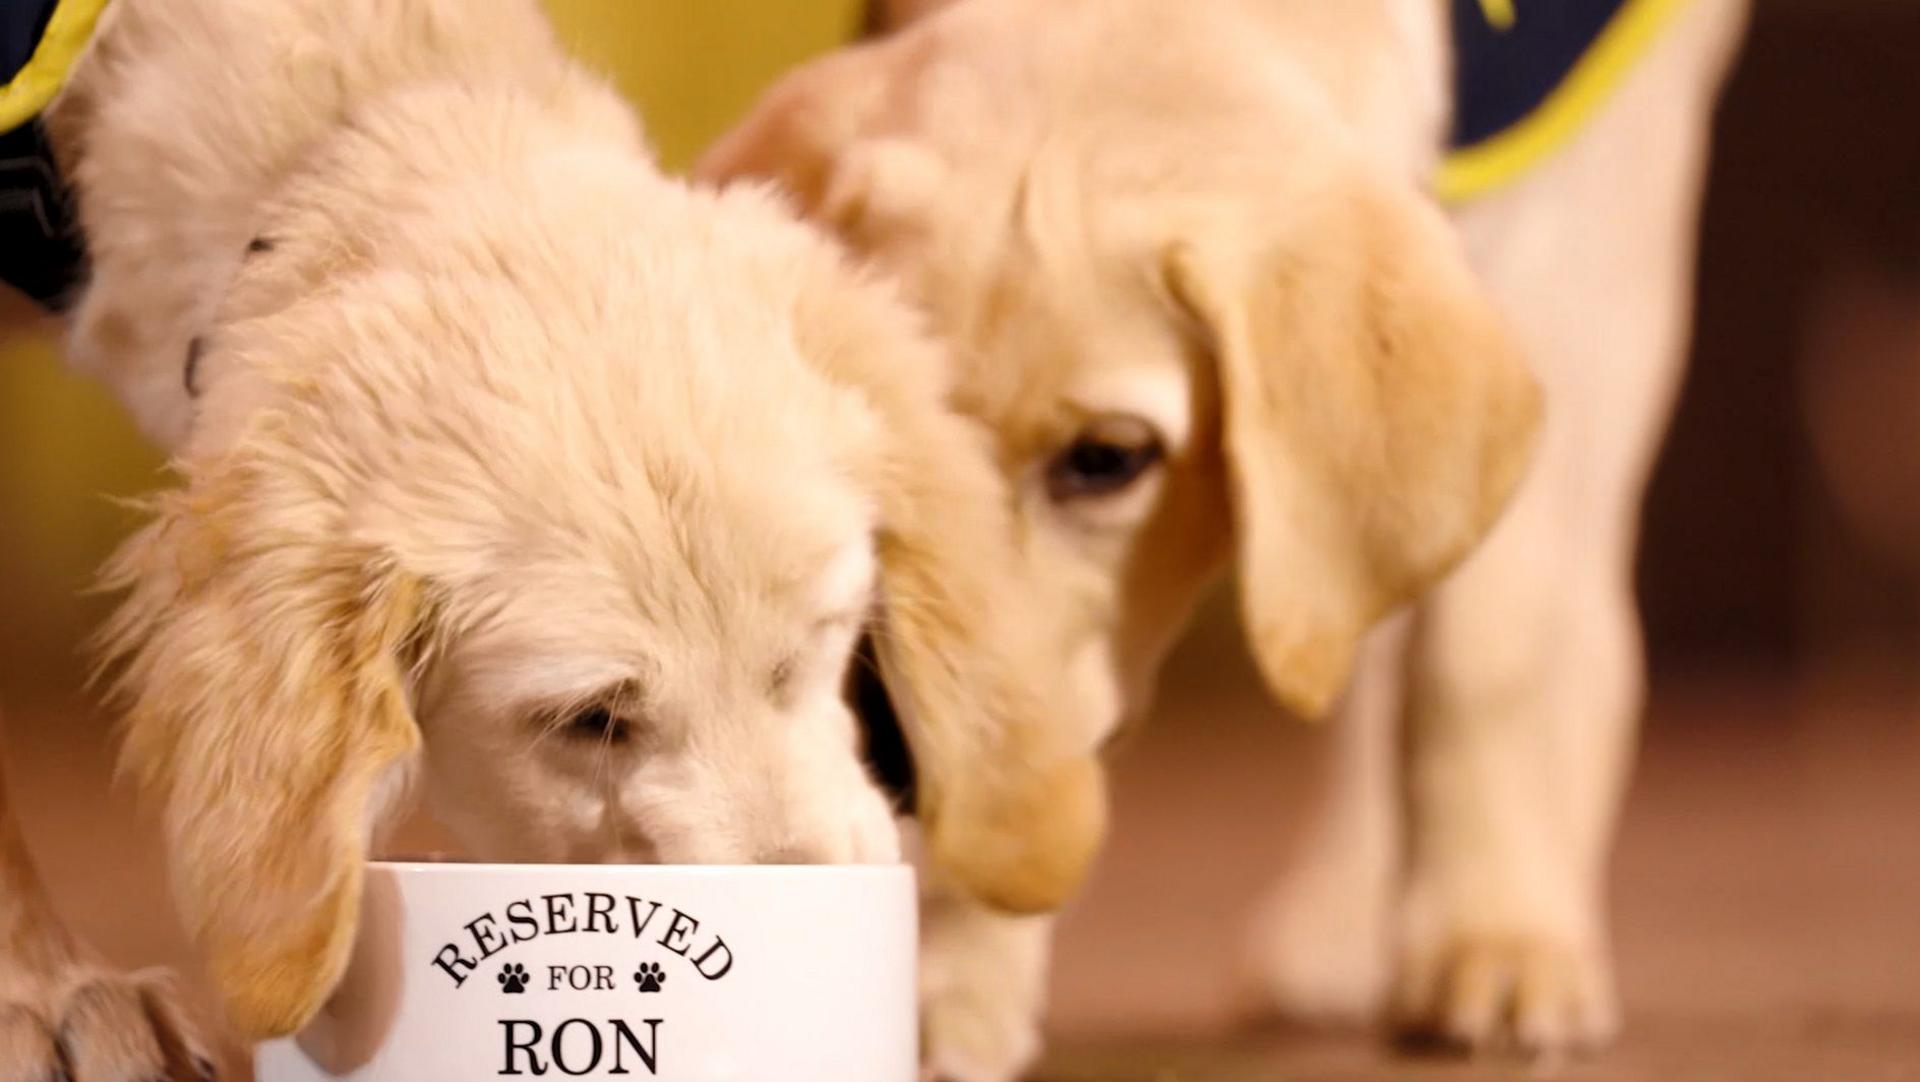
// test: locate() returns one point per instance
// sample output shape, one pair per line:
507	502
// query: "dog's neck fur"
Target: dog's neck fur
190	123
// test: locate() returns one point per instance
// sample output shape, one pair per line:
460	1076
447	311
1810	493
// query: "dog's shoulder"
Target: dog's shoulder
1528	74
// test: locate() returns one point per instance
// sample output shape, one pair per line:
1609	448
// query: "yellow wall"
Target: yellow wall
692	67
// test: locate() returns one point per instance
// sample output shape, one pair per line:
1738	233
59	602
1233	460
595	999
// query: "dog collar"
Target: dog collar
1528	74
42	253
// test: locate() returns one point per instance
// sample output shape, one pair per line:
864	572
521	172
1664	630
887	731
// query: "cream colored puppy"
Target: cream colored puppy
1202	295
507	463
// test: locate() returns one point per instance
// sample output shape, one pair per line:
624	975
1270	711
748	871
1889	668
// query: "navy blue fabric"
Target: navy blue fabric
21	24
41	252
1501	76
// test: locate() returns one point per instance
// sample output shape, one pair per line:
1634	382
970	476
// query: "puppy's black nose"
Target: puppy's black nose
886	743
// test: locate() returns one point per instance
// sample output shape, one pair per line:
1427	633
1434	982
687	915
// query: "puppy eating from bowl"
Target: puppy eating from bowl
507	466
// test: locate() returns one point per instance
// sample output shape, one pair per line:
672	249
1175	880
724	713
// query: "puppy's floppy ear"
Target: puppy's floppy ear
262	663
1377	415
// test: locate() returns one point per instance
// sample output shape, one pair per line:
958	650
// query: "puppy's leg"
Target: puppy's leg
983	984
1320	947
1526	666
1528	680
62	1015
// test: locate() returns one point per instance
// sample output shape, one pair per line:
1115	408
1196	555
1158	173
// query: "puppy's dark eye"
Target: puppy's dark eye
597	723
1109	455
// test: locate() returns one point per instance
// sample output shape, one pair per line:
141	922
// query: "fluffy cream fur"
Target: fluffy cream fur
494	424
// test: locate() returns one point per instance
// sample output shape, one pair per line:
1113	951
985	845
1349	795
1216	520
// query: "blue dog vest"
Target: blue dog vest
41	251
1529	73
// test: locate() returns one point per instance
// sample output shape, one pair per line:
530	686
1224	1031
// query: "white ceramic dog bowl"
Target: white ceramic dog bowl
465	972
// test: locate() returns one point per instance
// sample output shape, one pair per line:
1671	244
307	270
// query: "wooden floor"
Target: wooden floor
1768	897
1767	908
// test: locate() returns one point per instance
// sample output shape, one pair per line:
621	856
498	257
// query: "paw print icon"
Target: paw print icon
513	978
650	976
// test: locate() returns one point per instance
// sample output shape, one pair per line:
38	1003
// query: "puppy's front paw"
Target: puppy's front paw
1319	950
983	980
971	1035
86	1025
1539	994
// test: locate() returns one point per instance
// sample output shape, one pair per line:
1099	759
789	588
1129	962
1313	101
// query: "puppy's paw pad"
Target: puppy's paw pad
650	977
513	978
1530	994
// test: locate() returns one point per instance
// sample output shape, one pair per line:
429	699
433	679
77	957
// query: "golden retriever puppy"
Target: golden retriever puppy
1200	291
507	463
